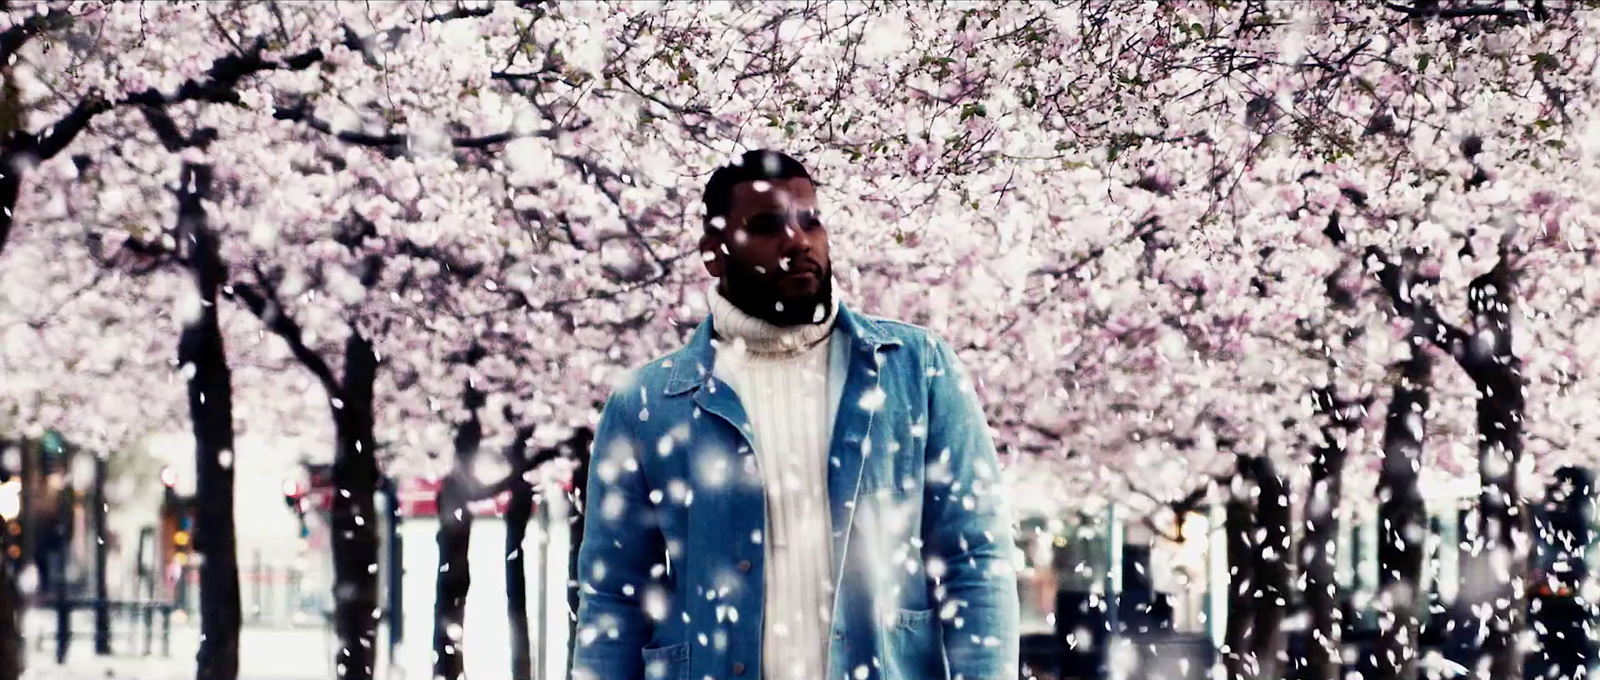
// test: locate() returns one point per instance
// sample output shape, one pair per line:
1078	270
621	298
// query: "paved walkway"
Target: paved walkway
265	653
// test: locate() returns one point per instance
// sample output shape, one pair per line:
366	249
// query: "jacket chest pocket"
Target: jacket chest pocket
897	458
888	534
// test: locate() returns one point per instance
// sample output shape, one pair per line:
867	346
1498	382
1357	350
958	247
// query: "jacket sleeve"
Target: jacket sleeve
967	532
622	542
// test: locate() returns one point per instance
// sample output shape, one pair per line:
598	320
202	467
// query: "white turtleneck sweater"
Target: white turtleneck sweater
781	377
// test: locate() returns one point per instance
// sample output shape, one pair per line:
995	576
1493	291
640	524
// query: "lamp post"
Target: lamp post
62	552
396	570
102	604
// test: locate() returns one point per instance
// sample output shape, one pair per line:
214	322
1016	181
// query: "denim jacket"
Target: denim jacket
670	567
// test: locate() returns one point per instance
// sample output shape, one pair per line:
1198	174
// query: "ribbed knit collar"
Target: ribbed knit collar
762	337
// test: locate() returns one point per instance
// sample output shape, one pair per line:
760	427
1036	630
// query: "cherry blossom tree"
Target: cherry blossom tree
1121	213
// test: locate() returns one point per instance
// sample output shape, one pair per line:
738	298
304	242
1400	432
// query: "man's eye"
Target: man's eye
764	224
810	221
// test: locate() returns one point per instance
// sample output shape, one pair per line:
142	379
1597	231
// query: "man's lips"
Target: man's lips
810	269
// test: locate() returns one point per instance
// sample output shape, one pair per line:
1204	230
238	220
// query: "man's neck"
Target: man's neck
733	322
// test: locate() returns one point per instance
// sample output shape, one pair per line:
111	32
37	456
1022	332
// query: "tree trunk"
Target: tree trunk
1485	352
102	592
580	482
1239	523
1318	553
10	190
1402	516
354	513
202	357
518	513
1503	523
1269	643
454	578
11	646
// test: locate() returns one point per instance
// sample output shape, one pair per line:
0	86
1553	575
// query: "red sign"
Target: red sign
318	500
420	498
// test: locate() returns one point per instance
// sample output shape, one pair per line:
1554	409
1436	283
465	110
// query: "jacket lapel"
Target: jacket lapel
718	399
859	402
693	371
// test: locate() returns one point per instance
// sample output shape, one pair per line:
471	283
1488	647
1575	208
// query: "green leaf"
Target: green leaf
1423	60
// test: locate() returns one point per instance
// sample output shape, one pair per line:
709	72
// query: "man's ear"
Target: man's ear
711	254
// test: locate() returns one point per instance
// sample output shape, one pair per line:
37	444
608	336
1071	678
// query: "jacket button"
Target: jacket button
738	668
744	565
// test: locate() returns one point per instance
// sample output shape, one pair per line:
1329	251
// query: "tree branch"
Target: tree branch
265	306
1431	10
524	465
220	85
1444	335
12	39
301	113
460	12
462	272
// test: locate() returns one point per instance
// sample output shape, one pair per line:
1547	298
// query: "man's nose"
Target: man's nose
797	240
795	235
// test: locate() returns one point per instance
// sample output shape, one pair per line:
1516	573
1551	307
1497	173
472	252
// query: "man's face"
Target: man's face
771	252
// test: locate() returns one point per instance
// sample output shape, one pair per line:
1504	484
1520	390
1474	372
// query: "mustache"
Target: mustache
805	265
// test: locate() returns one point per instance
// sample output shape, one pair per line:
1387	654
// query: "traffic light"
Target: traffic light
13	538
183	538
294	497
53	446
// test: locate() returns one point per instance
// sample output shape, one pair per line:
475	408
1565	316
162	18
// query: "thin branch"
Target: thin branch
39	322
1142	229
557	305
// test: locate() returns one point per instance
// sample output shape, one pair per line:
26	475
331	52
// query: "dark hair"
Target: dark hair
753	166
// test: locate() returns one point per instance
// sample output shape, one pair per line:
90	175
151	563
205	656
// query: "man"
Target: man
800	493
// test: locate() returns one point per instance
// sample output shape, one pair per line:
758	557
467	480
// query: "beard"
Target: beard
759	296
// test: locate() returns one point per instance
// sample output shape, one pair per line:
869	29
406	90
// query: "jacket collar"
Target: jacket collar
691	366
